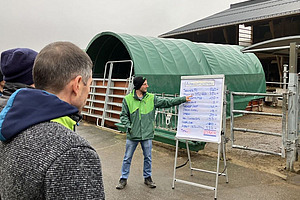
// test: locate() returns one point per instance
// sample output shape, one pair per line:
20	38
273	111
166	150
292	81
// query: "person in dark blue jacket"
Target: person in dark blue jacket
2	82
16	67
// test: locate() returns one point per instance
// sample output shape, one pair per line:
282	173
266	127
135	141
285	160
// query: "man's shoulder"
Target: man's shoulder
54	134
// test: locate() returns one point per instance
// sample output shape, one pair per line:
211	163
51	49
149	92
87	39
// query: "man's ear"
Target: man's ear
76	84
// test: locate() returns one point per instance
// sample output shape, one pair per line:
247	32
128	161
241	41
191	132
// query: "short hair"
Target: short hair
58	63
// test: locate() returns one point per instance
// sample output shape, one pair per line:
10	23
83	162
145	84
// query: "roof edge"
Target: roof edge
230	24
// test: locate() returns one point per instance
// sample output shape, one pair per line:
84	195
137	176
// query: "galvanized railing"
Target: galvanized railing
282	115
166	118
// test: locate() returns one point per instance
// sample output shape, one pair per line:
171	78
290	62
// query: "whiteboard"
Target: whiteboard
201	118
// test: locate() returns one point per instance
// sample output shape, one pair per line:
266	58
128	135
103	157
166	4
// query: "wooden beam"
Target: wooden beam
278	58
225	35
271	24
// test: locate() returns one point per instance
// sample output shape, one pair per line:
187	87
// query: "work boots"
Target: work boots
148	181
122	184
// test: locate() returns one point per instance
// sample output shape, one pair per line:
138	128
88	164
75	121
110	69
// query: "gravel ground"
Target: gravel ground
260	161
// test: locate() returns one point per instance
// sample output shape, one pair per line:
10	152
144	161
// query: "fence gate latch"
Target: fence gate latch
168	118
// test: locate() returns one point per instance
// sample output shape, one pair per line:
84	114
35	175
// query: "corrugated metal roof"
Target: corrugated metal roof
240	13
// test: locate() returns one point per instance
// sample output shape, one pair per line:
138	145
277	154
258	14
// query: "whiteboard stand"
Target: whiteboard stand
198	86
224	173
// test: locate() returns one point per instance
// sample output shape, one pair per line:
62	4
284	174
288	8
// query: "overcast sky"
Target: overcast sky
36	23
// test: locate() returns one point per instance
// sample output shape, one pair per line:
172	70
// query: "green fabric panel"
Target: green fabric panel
66	122
133	104
163	62
149	101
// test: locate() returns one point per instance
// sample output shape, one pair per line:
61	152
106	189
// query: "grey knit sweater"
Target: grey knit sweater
49	161
42	159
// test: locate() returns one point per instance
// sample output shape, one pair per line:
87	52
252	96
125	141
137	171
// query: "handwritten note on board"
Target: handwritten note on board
201	118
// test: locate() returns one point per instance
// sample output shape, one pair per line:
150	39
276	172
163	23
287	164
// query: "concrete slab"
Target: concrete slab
244	183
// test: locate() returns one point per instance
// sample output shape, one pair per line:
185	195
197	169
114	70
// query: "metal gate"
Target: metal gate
283	115
104	102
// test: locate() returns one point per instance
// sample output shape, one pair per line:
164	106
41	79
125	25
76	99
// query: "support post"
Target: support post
292	133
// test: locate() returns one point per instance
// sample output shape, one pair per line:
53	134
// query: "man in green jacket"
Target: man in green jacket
138	116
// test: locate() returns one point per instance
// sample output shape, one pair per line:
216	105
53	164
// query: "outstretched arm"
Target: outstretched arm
166	103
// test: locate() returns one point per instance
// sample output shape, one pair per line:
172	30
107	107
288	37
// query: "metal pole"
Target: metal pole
224	132
175	163
189	156
285	76
231	118
292	133
223	137
265	49
107	93
284	116
130	79
217	172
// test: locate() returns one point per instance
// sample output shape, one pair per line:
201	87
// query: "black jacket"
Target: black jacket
8	89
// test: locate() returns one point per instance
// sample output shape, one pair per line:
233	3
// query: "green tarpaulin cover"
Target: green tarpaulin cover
164	61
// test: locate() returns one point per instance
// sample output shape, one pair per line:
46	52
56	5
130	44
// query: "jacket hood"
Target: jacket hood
27	107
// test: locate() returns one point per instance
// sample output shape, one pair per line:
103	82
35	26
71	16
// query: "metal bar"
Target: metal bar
254	149
284	127
162	116
223	118
95	101
285	71
130	79
120	61
223	136
224	159
107	93
189	156
245	29
113	79
175	164
279	83
217	173
207	171
256	94
293	108
266	49
119	80
112	119
92	96
257	131
158	111
244	35
195	184
175	112
97	94
94	108
104	87
115	95
231	118
114	104
113	111
104	73
91	115
99	86
256	113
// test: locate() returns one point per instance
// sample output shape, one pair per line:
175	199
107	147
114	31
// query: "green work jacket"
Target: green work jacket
138	116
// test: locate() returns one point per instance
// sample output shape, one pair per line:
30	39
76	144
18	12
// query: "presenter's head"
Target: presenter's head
140	83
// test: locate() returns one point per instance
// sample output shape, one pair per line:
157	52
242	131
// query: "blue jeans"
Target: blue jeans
130	148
